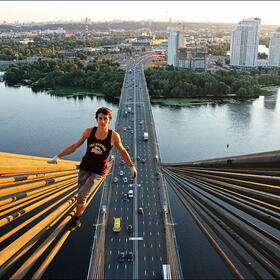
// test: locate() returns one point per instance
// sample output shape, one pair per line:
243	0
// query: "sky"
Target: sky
189	11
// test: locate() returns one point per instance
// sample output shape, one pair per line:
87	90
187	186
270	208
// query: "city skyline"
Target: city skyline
188	11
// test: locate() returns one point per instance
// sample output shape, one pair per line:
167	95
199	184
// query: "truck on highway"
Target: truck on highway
166	273
146	136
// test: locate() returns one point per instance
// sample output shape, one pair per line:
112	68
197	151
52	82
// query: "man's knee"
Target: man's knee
85	190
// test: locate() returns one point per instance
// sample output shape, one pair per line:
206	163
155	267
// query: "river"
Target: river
40	124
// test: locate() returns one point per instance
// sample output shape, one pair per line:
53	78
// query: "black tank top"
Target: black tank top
97	155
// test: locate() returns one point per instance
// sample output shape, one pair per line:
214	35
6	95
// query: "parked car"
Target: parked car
121	173
140	210
115	179
125	180
125	196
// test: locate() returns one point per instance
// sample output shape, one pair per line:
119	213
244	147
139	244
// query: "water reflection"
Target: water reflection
270	102
239	116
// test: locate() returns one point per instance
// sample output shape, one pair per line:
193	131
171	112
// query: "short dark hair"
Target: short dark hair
105	111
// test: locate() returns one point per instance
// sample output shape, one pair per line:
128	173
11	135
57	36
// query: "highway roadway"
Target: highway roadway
134	118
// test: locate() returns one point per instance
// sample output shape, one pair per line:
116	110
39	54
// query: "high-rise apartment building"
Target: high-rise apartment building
194	58
244	43
274	50
175	41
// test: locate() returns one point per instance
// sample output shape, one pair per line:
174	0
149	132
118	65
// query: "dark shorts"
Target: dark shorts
87	182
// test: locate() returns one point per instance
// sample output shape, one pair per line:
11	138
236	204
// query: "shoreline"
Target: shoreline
178	102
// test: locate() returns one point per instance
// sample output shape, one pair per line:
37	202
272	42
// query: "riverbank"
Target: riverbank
271	89
181	102
72	92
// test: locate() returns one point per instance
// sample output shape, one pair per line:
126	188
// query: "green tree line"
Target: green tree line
105	76
12	49
186	83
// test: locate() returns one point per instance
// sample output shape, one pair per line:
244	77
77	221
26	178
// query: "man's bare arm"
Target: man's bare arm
124	154
71	149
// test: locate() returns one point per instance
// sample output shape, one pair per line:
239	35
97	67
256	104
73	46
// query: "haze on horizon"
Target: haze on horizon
188	11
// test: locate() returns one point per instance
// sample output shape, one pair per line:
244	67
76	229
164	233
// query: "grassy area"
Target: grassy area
270	90
180	101
74	92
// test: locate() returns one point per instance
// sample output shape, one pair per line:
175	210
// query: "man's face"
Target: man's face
103	120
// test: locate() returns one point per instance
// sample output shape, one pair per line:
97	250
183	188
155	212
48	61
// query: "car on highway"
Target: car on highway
121	257
115	179
129	228
125	180
121	173
130	193
130	257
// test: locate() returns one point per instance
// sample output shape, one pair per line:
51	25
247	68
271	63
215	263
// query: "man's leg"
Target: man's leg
91	181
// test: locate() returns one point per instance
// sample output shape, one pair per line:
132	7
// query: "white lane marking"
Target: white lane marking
109	266
153	273
125	266
112	239
117	266
119	240
143	233
126	240
151	245
145	272
121	208
149	222
159	245
150	233
152	259
144	245
110	252
143	222
115	208
127	217
144	258
160	259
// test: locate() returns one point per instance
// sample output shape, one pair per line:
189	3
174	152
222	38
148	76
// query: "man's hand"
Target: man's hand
133	171
54	160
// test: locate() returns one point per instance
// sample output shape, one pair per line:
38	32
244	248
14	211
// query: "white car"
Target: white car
130	193
125	180
115	179
121	173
